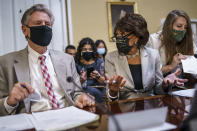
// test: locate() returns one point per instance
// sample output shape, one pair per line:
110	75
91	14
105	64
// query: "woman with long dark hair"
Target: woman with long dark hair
90	68
174	41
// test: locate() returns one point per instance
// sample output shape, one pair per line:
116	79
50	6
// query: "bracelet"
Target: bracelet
112	97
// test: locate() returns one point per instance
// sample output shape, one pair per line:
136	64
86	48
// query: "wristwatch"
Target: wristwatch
98	77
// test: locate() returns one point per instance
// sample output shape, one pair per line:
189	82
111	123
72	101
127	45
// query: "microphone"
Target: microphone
71	80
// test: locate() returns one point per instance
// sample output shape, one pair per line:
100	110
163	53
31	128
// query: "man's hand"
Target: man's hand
84	100
19	92
173	79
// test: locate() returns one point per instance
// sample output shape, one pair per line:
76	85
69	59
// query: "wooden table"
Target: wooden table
177	111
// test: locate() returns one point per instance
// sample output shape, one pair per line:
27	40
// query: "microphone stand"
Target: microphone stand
71	80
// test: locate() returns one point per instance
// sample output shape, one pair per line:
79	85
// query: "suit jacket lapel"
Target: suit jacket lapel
21	66
144	63
59	67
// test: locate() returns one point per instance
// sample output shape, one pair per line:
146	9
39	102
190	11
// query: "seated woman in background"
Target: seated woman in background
174	41
138	65
101	48
90	68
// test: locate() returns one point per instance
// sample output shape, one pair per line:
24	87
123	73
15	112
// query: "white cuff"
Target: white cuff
84	84
112	97
9	108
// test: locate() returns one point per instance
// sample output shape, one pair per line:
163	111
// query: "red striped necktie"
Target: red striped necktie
48	84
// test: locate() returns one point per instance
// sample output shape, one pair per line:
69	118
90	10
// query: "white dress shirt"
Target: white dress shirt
37	82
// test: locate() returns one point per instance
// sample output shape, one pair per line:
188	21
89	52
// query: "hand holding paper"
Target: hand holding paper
190	65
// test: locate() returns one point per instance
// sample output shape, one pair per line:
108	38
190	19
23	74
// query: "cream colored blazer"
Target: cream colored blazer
152	78
14	67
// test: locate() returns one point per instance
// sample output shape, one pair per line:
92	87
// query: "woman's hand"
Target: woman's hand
83	76
177	60
96	75
115	84
173	79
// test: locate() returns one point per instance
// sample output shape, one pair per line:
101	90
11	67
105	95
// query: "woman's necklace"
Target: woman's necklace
134	55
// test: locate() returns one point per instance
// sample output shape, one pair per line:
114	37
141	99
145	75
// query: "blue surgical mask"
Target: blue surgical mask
101	51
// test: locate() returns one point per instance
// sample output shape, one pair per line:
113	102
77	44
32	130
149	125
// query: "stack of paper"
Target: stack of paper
16	122
186	93
61	119
190	65
148	120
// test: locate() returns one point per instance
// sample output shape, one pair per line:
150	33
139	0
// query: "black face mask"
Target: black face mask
40	35
123	46
87	55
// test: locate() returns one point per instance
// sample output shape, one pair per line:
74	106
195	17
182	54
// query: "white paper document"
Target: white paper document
186	93
61	119
187	108
15	122
147	120
190	65
36	96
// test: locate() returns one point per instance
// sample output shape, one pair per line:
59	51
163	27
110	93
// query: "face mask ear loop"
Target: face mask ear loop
27	26
27	38
136	44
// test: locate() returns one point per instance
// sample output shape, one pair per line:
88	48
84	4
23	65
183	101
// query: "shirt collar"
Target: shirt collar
35	55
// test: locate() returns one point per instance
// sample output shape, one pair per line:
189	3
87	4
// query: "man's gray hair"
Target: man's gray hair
37	7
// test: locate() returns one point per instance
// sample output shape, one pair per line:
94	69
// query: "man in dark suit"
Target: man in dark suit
34	79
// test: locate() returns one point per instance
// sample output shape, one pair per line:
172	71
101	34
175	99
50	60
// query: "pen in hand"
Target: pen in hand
23	86
30	90
19	92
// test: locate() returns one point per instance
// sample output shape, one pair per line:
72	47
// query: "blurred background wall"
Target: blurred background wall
89	17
